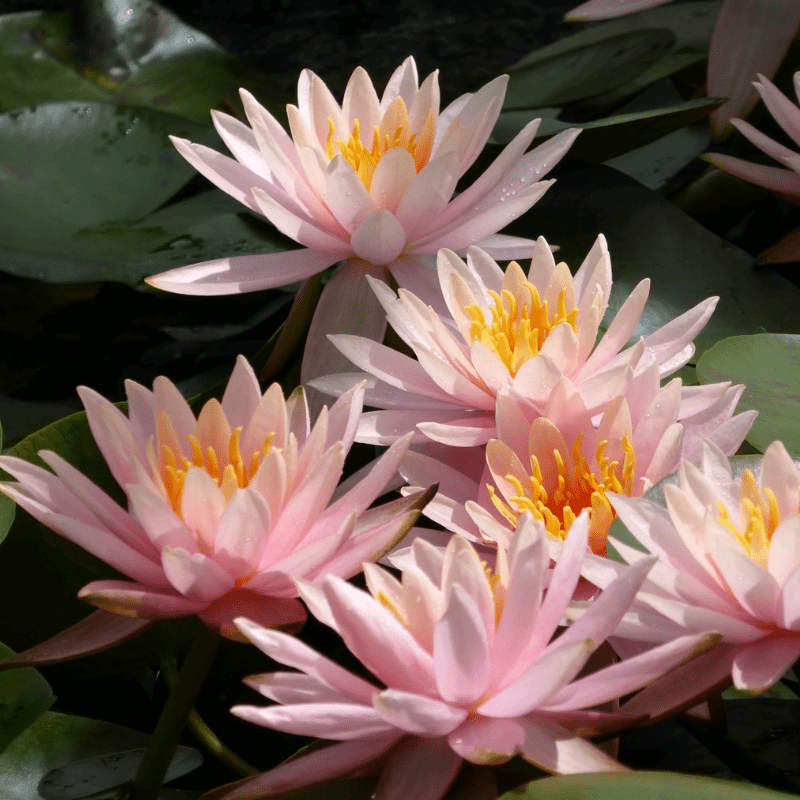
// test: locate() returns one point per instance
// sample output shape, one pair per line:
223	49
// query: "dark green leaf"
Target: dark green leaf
603	139
24	696
586	70
769	366
640	786
62	757
691	25
135	53
648	236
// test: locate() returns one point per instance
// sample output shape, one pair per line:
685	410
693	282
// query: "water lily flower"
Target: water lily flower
558	463
224	510
507	329
464	652
750	37
729	561
784	180
371	181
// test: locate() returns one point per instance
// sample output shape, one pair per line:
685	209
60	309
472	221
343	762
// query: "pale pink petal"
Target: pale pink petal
346	306
750	583
138	600
461	650
202	506
379	239
317	104
414	713
161	524
763	663
346	196
311	769
428	194
418	768
487	741
785	113
789	604
394	174
241	141
605	9
242	533
292	688
337	721
379	640
556	749
776	179
751	36
292	652
779	473
237	274
242	394
763	142
93	634
194	575
403	83
361	101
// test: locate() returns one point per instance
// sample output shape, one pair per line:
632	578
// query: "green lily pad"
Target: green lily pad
7	506
769	366
650	237
24	696
64	757
585	70
640	786
136	52
603	139
691	26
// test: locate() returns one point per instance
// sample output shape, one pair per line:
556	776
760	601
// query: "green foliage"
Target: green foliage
640	786
67	757
769	366
24	696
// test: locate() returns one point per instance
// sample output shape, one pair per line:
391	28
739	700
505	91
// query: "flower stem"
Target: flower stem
210	741
172	721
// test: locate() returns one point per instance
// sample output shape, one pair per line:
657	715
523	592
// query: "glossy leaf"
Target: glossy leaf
690	24
769	365
136	53
64	757
607	138
640	786
24	696
585	71
648	236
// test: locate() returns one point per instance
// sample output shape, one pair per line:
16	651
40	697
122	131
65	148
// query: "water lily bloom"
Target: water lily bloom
729	561
784	180
750	36
464	652
558	463
503	330
371	181
225	509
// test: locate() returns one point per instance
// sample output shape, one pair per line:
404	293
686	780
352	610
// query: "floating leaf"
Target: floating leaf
648	236
585	70
640	786
607	138
24	696
64	757
769	366
136	53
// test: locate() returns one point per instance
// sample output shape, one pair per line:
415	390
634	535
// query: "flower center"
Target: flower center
573	491
228	468
520	325
394	131
759	517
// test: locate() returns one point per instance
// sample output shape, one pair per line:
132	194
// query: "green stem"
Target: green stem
170	725
210	741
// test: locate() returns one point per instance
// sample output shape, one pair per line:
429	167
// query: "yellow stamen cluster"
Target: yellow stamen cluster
394	131
518	329
759	515
558	507
229	477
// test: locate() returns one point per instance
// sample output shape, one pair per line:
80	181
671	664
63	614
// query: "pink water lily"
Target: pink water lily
224	510
557	463
729	561
371	181
470	668
495	330
784	180
750	37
